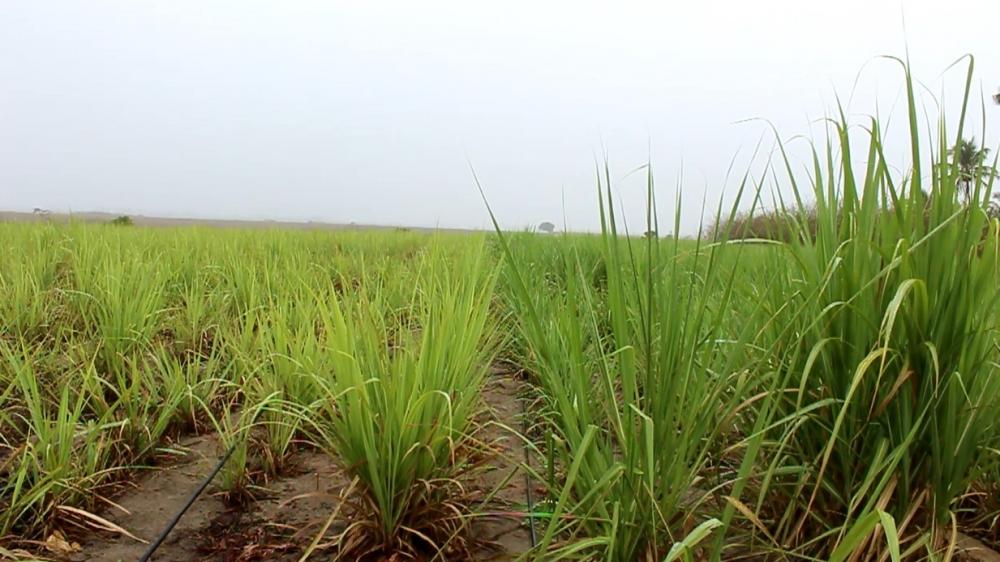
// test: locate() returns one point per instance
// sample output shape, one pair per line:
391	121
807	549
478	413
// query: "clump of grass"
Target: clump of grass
235	425
27	282
886	345
292	351
62	459
117	307
638	385
398	404
199	384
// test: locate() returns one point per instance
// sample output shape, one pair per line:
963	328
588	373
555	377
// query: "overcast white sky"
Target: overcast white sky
370	111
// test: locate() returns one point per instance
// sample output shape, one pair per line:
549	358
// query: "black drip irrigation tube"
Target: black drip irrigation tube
176	519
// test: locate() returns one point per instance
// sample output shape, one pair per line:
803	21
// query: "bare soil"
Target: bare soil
280	524
508	527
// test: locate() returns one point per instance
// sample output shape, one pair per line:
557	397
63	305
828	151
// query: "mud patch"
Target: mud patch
243	537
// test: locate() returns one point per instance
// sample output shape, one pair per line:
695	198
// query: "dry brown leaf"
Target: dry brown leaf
56	543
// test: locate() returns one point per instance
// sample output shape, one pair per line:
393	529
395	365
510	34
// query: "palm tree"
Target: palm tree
971	162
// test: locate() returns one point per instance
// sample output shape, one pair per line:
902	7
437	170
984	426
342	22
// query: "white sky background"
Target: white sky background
370	111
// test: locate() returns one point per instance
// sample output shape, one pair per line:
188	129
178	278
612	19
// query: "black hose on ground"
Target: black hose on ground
176	519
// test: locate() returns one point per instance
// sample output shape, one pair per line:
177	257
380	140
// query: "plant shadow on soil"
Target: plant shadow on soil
279	526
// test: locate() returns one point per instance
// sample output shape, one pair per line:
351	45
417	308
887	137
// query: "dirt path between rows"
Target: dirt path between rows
503	394
278	526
